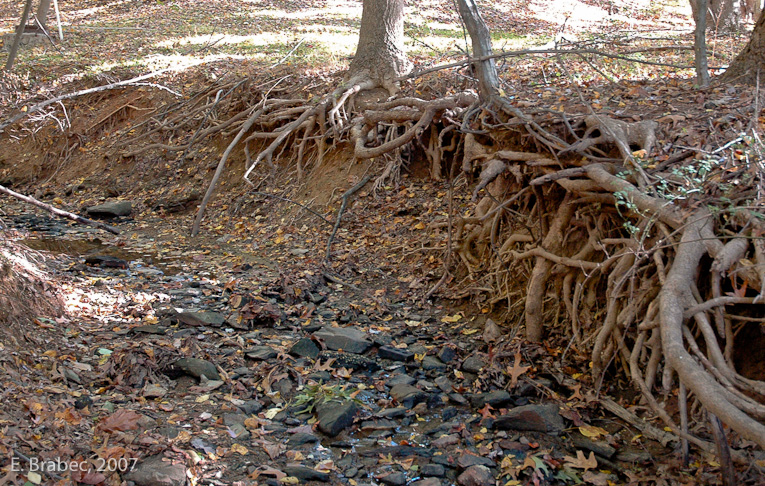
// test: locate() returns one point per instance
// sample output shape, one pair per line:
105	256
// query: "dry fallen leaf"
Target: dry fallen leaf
119	421
591	431
581	462
517	370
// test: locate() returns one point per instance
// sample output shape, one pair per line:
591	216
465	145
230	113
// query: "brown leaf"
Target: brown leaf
119	421
581	462
595	478
517	370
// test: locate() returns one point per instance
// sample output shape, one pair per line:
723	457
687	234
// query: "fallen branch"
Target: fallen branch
59	212
350	192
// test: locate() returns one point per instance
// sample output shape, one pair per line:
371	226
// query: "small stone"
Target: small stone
334	416
110	209
473	364
436	470
496	399
302	438
349	339
238	432
145	422
392	413
408	395
154	391
476	476
150	329
394	354
537	418
427	482
394	479
433	363
205	318
158	471
446	441
305	348
251	407
491	331
261	353
401	379
306	473
196	367
467	460
447	354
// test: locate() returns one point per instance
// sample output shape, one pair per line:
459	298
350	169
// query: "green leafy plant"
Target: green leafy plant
316	394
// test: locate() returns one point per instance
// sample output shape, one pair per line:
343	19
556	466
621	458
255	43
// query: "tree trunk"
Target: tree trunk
746	67
700	42
42	13
727	16
17	36
380	55
486	70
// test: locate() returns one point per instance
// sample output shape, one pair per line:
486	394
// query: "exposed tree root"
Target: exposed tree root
617	256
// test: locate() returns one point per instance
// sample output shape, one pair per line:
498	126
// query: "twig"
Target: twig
59	212
350	192
300	43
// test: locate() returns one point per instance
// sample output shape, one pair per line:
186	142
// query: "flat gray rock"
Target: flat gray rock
496	399
158	471
261	353
111	209
476	476
335	416
204	318
349	339
305	348
408	395
536	418
196	367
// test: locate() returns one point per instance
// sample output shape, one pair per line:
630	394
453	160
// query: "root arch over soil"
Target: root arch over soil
612	249
647	266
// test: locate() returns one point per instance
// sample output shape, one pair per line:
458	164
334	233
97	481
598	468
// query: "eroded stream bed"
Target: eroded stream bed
246	370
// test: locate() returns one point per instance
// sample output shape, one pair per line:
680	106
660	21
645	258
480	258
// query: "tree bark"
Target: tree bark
380	55
746	67
700	42
485	71
17	37
42	13
726	15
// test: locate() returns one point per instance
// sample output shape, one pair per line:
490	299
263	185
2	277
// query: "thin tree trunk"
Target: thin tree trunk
17	37
42	13
486	70
700	43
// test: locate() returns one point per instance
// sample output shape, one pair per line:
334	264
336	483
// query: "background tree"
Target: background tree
746	67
